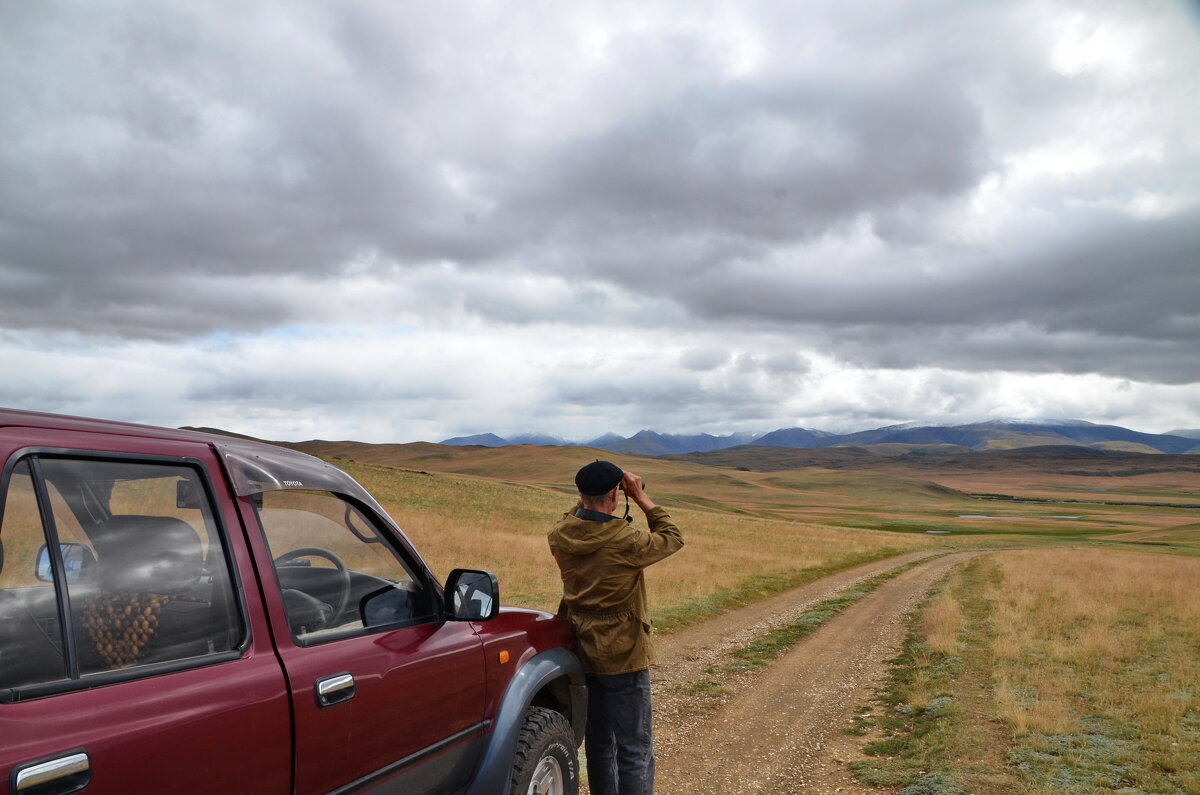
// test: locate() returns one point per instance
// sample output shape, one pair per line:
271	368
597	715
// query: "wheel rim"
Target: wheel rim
547	778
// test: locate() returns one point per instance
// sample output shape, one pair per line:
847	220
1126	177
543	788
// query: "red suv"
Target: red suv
182	612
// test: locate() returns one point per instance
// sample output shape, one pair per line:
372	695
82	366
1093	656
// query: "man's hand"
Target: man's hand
631	484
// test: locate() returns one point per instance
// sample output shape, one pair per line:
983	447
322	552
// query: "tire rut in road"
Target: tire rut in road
774	730
683	656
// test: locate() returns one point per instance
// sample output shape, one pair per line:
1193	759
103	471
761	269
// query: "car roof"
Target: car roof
38	419
253	465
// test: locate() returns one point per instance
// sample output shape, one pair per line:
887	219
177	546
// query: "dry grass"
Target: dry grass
940	624
913	498
1097	668
1173	486
462	520
1049	671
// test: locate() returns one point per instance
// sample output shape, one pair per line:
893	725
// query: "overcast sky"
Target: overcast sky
399	221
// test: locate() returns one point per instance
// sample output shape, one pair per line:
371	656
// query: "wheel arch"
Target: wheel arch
552	679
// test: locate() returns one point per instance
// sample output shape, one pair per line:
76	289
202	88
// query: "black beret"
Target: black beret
598	477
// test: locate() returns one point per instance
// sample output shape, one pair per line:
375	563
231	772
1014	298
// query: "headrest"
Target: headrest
149	554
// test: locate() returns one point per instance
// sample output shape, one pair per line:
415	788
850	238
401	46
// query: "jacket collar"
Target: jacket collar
594	516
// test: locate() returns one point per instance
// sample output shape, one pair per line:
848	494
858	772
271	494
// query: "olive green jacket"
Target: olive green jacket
604	589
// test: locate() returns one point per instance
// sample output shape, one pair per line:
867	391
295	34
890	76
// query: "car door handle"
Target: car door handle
334	689
69	773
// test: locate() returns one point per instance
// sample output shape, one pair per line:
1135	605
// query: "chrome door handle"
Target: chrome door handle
334	689
69	773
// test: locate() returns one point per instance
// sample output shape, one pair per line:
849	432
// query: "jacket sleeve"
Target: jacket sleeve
663	540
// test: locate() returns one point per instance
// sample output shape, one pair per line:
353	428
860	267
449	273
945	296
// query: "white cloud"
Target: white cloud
393	221
407	384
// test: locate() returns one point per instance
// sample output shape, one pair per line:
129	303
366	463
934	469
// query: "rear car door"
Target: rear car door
129	659
385	693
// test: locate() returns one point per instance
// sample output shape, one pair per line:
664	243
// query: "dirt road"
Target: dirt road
780	730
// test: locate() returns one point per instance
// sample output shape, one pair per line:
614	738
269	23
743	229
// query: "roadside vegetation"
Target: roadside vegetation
1098	669
1039	671
929	729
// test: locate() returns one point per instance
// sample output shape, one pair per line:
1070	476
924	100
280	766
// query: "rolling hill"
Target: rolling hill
993	435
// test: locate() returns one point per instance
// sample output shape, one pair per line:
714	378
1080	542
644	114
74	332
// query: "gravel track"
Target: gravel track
682	656
780	729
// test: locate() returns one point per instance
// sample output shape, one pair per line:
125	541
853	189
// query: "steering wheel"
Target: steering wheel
343	575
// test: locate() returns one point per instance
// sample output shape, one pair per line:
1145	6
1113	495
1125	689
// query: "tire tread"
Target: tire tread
539	725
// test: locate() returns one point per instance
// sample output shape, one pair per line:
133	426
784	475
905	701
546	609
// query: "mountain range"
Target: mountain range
979	436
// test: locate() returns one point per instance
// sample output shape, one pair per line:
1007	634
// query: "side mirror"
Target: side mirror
76	558
387	605
472	595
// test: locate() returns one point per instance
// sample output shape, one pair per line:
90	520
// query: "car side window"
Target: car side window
31	644
337	573
131	554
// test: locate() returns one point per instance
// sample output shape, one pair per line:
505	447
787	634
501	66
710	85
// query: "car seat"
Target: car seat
146	603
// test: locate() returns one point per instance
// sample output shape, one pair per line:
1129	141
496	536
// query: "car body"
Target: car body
188	612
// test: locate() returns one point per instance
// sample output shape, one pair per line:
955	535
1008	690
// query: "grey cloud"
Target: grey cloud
161	161
741	394
149	143
1116	296
310	387
703	359
160	145
663	394
767	163
746	363
787	363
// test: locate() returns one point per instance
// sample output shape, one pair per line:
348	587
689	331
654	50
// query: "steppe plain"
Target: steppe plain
882	623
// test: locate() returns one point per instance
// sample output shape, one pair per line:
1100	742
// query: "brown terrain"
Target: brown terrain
782	728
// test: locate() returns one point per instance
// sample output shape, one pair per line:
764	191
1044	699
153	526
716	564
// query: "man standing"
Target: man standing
601	558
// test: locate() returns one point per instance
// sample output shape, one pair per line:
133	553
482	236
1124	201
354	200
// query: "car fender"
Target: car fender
534	674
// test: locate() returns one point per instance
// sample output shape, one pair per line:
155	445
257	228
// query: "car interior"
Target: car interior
142	588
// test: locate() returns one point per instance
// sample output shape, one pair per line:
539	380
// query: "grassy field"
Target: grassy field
731	555
1048	671
1092	503
749	533
1098	668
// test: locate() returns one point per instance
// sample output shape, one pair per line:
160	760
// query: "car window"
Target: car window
31	643
146	576
337	574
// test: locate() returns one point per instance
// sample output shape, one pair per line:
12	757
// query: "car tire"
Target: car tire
545	762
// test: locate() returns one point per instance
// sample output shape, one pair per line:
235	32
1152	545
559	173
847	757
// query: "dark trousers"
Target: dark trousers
620	746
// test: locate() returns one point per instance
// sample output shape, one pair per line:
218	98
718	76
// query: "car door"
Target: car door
128	660
385	693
